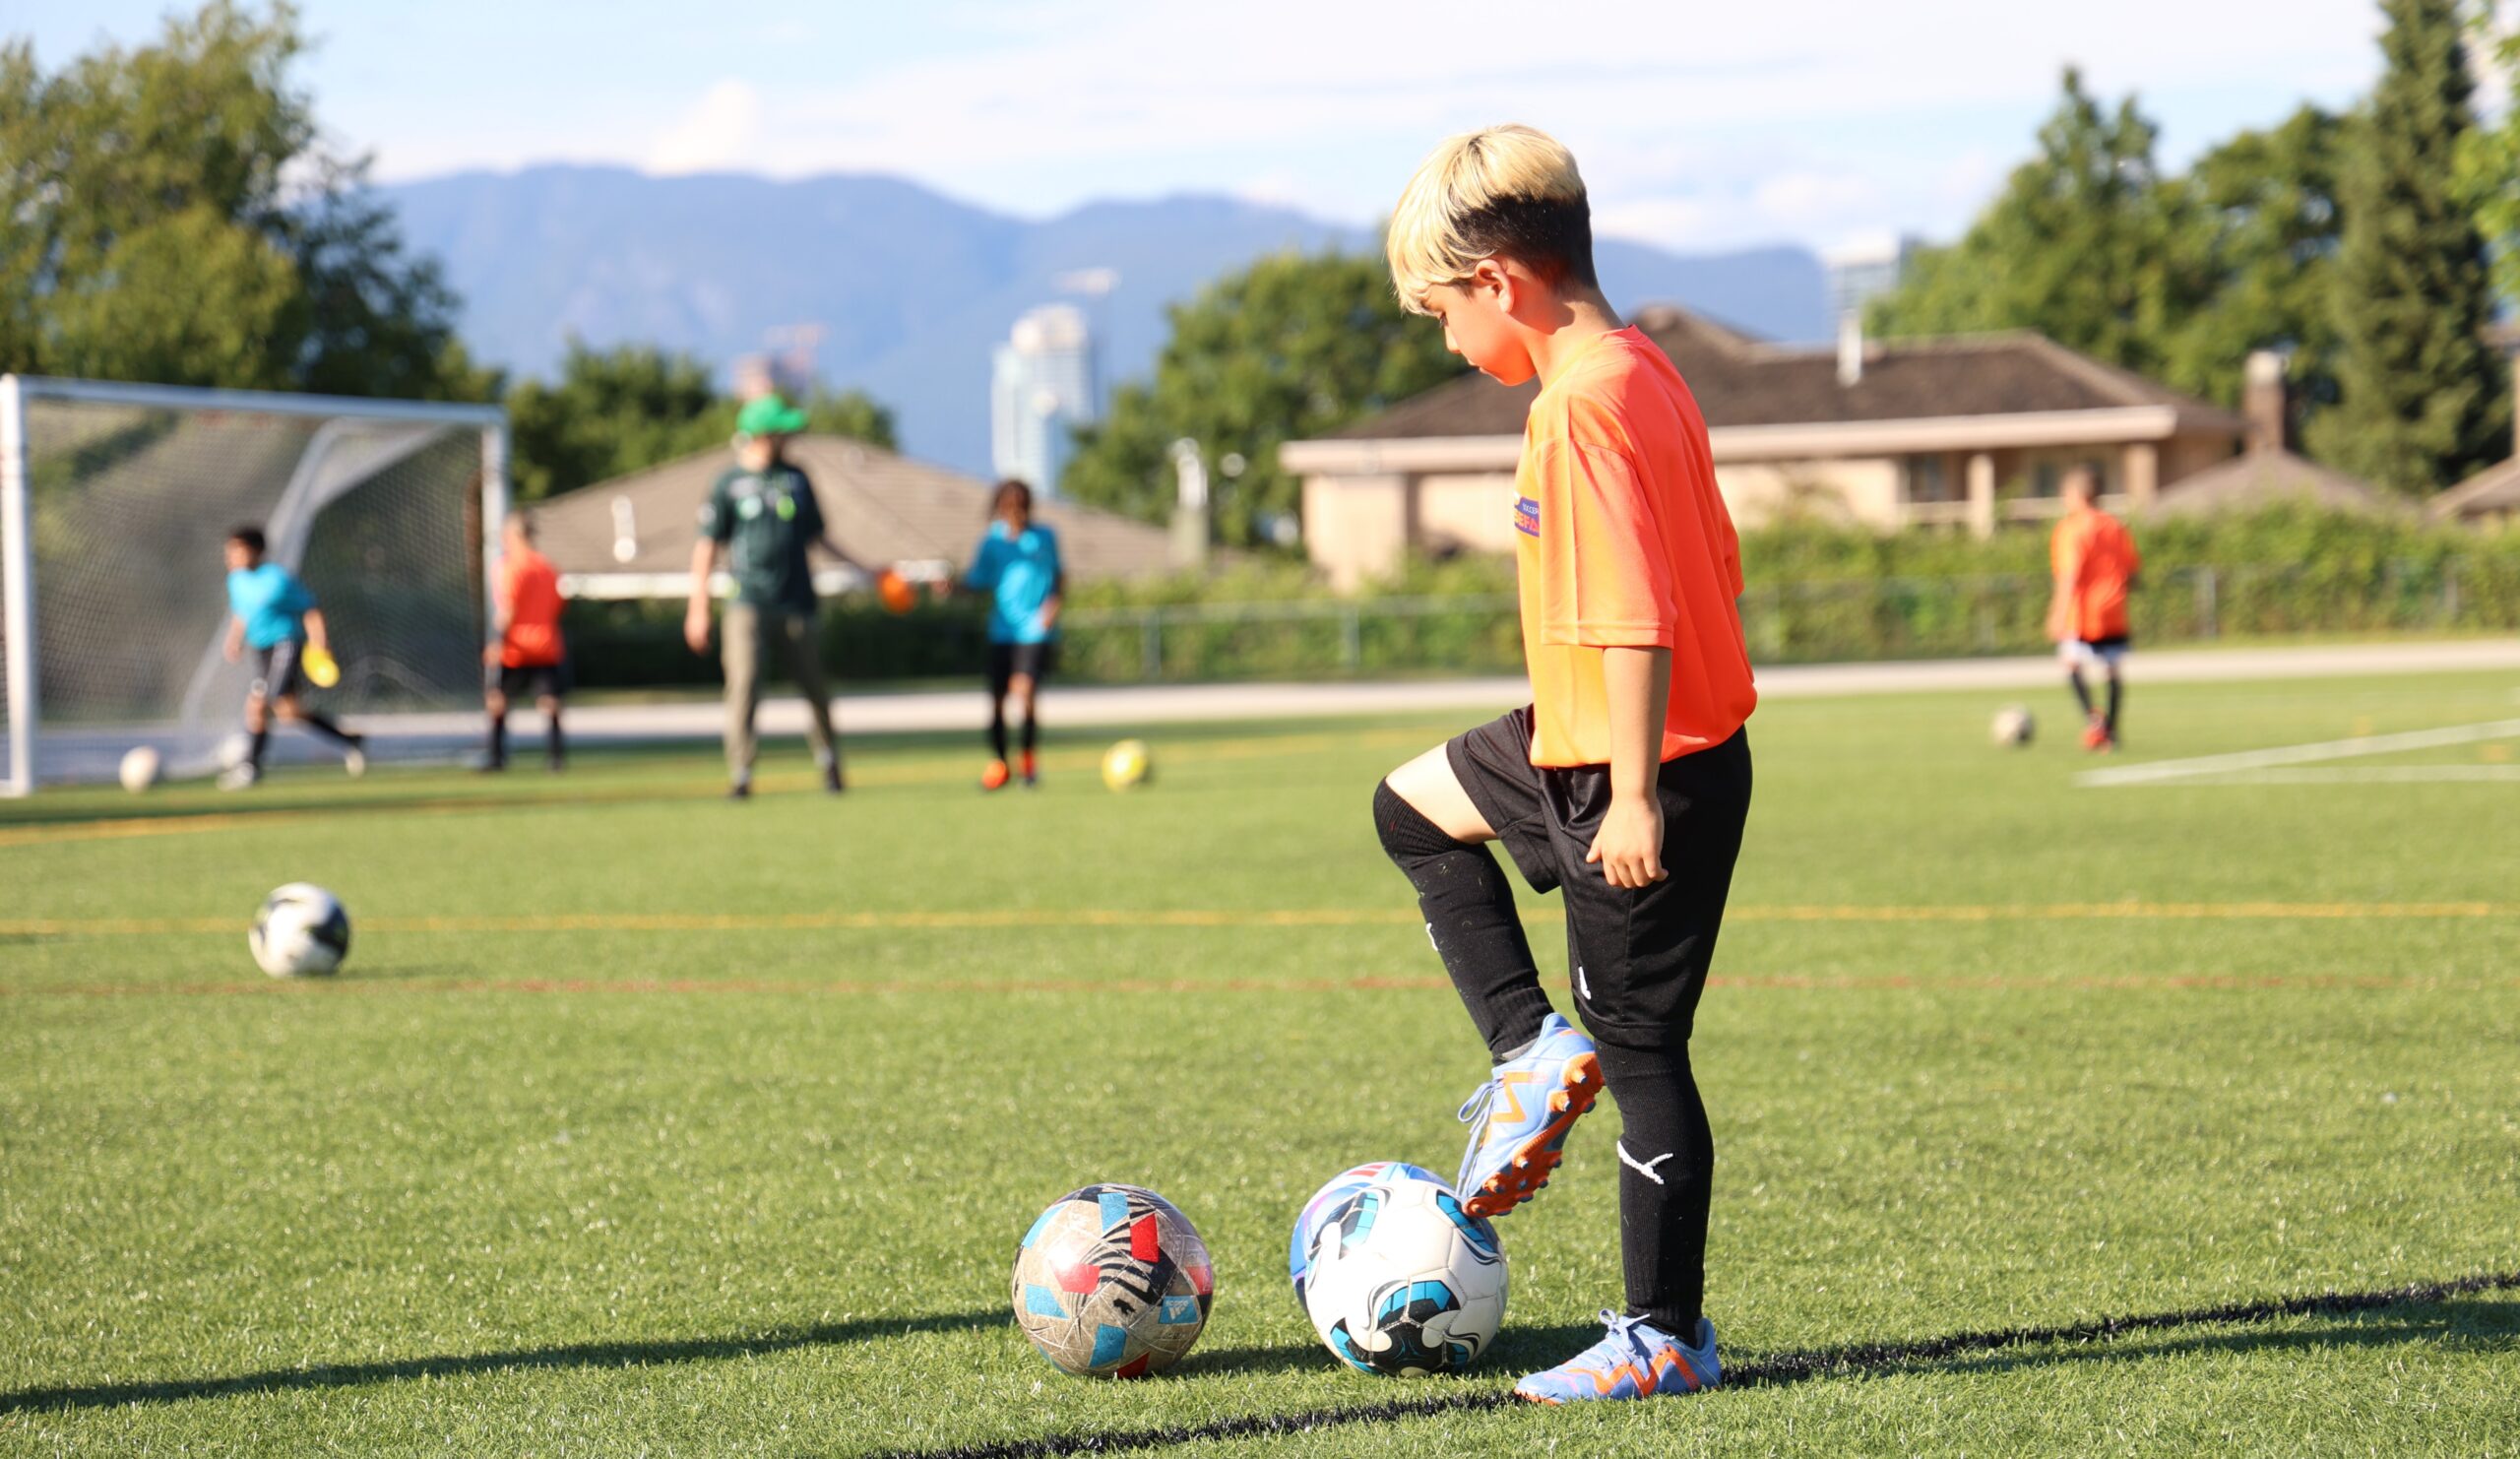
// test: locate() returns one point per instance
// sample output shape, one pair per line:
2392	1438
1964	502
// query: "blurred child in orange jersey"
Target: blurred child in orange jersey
2094	562
529	657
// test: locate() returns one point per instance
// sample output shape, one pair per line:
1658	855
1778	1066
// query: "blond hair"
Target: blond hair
1511	190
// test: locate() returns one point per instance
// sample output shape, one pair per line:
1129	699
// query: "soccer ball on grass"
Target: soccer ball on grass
1112	1282
1397	1278
140	767
2012	727
300	933
1127	765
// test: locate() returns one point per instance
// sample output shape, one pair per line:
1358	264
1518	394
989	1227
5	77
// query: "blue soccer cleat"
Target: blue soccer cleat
1519	1118
1633	1359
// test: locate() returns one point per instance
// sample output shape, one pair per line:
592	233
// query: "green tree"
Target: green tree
2259	231
2083	245
2421	401
614	412
2489	167
169	213
1292	347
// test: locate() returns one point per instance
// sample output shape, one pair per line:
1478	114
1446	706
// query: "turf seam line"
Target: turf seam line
1777	1368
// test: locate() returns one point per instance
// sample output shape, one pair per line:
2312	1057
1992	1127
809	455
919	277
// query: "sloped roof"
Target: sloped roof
2491	491
2264	477
880	507
1740	380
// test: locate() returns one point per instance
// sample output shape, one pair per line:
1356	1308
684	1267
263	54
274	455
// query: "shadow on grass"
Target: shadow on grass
2361	1320
568	1356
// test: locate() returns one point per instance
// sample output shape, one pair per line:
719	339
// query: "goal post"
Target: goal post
115	500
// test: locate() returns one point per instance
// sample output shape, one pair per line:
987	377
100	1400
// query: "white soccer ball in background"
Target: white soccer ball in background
1397	1278
300	933
2012	727
140	767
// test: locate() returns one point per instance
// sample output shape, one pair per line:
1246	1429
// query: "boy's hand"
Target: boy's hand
1629	846
695	628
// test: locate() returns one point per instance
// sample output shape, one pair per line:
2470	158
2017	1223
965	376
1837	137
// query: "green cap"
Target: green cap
768	416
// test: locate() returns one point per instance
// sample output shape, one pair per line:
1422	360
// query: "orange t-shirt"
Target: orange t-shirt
1623	541
530	591
2094	560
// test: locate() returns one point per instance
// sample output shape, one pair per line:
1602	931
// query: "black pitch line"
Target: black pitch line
1777	1368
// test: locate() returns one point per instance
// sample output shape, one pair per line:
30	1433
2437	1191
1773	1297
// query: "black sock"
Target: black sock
2082	692
498	739
262	742
1469	908
997	730
326	728
1031	731
2117	695
555	746
1665	1175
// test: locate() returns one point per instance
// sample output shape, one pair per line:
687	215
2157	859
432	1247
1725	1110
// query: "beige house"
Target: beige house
2491	497
631	537
1971	432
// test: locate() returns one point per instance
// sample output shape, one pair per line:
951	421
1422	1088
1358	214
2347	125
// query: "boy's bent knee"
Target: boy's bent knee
1405	834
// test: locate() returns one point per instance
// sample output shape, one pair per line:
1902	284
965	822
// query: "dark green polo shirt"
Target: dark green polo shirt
765	520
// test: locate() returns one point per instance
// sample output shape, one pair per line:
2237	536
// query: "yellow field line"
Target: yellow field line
1320	917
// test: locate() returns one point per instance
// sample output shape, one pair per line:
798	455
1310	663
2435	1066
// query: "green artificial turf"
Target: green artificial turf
641	1123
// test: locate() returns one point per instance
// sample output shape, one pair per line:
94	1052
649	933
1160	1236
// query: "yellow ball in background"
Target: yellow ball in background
1126	765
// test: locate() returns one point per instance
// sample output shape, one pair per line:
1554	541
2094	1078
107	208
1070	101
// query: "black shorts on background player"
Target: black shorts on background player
277	674
533	680
1036	661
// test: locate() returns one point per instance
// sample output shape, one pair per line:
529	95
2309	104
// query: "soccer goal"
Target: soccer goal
115	502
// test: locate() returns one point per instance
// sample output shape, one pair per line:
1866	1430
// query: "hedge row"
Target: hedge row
1815	594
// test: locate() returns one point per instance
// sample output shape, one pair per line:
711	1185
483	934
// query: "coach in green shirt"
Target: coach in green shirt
760	517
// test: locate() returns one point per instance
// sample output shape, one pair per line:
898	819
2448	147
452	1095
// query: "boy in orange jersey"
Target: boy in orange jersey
2094	562
529	657
1625	783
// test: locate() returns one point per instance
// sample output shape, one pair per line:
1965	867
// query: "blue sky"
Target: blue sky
1700	125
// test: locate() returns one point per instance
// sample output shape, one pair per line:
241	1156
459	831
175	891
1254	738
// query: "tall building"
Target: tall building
1042	387
1862	272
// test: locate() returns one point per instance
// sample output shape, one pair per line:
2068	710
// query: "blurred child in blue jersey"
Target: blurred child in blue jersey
274	616
1018	565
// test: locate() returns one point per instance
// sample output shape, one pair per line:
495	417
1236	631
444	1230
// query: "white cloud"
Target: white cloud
1698	125
722	130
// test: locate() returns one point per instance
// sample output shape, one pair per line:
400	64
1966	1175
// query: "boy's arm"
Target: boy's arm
2065	564
695	618
502	612
316	638
1629	846
234	647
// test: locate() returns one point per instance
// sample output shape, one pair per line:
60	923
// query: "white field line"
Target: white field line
2297	754
2324	774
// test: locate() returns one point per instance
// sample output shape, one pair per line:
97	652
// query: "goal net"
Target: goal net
115	502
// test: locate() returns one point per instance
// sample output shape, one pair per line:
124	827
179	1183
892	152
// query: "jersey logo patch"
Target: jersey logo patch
1526	516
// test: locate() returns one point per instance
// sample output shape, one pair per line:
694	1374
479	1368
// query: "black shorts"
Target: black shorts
1639	955
1035	662
533	680
276	672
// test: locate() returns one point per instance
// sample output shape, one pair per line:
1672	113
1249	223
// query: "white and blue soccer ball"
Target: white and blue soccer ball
1395	1276
301	931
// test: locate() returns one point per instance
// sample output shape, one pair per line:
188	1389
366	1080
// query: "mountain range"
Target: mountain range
910	288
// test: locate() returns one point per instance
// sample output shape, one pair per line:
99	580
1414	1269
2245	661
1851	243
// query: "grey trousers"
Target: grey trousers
745	638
